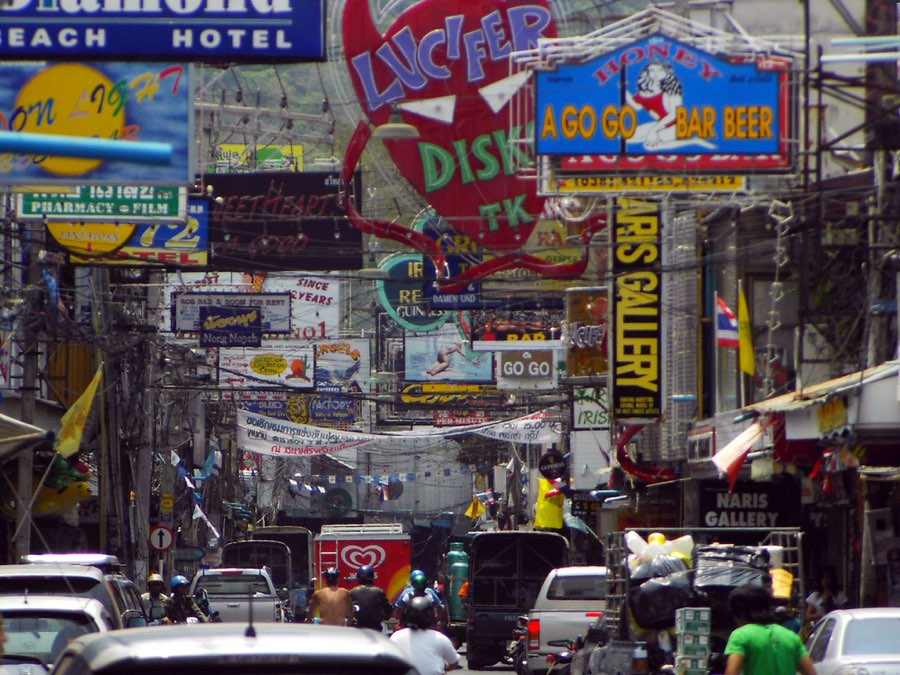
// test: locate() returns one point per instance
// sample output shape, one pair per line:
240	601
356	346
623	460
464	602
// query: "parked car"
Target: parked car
124	591
39	627
856	641
115	592
570	599
231	590
230	649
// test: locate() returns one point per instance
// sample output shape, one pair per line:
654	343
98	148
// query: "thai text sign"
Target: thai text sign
110	101
105	203
636	368
281	30
658	96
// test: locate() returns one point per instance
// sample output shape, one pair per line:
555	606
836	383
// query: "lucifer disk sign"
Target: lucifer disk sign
445	64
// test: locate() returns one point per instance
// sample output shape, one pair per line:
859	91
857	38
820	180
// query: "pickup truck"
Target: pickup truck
570	599
233	591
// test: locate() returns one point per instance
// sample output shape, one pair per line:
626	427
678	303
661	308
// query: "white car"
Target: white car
857	642
235	649
39	627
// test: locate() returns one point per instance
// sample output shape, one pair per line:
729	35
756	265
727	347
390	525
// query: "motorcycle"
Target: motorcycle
560	664
516	651
202	600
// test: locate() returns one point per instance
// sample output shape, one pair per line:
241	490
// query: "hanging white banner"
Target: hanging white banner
271	436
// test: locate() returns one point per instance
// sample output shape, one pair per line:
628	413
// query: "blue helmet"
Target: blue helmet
365	574
332	575
179	580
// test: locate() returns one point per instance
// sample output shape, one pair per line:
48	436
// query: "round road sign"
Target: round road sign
161	538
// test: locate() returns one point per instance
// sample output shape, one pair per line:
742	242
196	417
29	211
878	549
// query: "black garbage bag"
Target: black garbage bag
721	568
654	602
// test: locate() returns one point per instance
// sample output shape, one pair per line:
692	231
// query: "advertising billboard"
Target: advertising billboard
167	30
637	310
288	366
444	354
147	102
657	99
282	221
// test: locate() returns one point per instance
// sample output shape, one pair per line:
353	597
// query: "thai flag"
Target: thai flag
726	326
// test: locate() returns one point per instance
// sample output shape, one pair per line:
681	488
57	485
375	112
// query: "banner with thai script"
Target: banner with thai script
267	435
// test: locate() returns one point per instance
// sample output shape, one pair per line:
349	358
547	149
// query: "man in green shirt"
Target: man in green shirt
759	646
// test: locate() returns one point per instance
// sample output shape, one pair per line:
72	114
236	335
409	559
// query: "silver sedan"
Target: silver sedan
857	642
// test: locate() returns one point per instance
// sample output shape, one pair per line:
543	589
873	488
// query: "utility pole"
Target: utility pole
29	344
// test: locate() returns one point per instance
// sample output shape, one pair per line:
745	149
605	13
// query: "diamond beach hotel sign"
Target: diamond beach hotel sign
170	30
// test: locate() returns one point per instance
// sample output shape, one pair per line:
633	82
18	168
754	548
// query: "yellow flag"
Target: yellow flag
476	508
745	337
69	440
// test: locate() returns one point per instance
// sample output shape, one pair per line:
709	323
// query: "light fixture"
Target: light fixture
395	129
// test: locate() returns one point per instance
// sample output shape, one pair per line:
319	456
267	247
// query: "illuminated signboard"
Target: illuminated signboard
167	30
657	97
116	101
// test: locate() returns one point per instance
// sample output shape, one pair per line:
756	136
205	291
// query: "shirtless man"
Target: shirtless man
333	604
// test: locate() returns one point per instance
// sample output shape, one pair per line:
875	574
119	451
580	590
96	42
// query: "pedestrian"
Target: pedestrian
370	601
331	605
430	651
301	597
826	597
154	599
759	646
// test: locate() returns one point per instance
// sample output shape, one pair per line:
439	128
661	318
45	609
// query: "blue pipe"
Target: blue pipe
52	145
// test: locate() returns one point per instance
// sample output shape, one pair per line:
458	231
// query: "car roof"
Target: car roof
228	642
228	571
50	570
580	571
866	613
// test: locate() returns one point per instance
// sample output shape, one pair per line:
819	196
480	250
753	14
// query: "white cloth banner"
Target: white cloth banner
272	436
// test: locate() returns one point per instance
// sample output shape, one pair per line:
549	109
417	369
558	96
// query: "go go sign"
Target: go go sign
527	365
658	96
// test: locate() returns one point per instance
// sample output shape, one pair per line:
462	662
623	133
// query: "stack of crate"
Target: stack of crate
692	628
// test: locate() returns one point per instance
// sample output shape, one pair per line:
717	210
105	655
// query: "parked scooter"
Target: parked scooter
516	652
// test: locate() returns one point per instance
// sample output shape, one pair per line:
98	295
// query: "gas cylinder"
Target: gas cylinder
458	568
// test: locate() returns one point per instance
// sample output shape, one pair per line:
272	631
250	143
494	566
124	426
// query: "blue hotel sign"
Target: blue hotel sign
657	96
163	30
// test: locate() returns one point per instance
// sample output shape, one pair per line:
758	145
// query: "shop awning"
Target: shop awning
817	393
17	437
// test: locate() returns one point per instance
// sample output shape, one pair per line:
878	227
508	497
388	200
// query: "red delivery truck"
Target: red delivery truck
348	547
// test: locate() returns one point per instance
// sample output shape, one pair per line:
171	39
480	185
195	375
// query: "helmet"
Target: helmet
332	575
417	580
179	580
155	579
312	582
365	574
420	612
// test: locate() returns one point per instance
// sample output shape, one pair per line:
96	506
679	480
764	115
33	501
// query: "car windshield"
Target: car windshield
237	584
43	635
877	635
577	588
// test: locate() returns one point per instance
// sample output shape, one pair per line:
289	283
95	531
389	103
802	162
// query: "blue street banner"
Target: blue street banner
223	326
166	30
657	96
145	102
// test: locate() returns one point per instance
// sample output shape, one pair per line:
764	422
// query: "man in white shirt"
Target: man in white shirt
430	651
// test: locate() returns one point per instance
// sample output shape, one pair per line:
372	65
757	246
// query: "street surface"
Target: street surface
497	668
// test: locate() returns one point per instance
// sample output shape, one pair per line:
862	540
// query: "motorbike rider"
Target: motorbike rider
181	606
430	651
372	605
418	587
331	605
154	599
